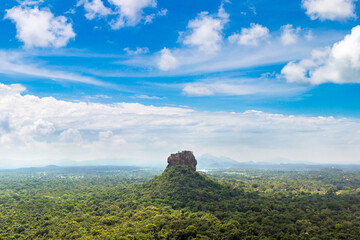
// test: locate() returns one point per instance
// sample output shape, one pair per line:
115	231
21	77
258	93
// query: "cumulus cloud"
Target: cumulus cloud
71	135
13	89
121	13
329	9
338	64
250	36
167	60
289	34
39	27
94	8
205	31
130	12
45	130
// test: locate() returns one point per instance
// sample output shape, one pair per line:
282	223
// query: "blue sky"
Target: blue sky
281	64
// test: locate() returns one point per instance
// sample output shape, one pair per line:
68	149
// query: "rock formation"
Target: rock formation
184	158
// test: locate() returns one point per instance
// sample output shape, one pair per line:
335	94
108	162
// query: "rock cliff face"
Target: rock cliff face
184	158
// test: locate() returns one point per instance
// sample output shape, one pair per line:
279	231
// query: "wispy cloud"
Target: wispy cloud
148	97
137	51
231	57
241	86
14	63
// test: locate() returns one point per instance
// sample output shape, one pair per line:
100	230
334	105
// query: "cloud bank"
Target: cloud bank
39	131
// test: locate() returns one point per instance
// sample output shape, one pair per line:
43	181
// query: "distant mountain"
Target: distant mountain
72	170
208	161
98	162
111	162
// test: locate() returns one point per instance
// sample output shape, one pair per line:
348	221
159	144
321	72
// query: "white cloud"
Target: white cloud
167	60
162	12
137	51
205	31
198	89
130	12
121	13
105	134
289	35
13	89
30	2
338	64
231	57
94	8
238	87
151	17
39	128
14	63
148	97
71	11
40	28
98	96
45	131
251	36
70	135
329	9
309	35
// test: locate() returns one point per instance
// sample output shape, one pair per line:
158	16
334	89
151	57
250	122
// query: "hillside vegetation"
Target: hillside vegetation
182	187
179	204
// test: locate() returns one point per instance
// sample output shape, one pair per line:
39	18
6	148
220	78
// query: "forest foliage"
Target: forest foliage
133	203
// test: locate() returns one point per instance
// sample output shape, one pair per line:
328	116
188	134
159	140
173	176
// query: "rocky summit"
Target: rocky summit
184	158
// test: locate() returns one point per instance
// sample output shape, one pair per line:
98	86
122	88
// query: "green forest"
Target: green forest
134	203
